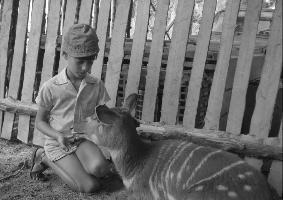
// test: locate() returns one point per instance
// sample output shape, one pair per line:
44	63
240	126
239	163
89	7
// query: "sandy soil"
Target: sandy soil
16	184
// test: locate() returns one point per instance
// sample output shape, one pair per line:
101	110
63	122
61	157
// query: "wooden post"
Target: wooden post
31	65
116	50
241	79
154	61
137	51
270	78
212	116
101	32
4	42
19	51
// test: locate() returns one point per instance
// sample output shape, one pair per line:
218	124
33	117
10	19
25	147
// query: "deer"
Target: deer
172	169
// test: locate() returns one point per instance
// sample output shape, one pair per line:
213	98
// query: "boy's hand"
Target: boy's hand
64	142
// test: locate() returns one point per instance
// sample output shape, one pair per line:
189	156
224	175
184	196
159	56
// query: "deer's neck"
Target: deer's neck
131	158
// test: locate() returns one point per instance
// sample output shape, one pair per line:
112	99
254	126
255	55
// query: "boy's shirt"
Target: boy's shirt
69	107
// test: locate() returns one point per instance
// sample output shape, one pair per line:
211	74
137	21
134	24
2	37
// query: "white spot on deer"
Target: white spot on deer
247	187
232	194
199	188
128	182
221	187
219	173
249	173
241	176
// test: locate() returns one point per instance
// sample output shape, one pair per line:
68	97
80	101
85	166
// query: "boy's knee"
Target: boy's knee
100	169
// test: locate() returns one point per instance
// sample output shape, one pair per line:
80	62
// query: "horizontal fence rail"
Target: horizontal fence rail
222	89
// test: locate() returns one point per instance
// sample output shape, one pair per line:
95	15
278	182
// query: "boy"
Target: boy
65	101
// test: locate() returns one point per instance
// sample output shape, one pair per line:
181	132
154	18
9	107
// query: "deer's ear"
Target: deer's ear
105	115
130	102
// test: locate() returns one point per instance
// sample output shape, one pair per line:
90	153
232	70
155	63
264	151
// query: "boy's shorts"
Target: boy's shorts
55	152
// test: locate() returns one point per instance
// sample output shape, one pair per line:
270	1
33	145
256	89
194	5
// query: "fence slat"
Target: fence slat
198	65
101	31
85	11
241	79
154	61
69	21
4	41
31	64
176	57
221	70
275	176
268	86
138	47
50	44
17	64
116	50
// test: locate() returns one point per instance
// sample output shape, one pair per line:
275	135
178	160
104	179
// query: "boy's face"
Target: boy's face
78	67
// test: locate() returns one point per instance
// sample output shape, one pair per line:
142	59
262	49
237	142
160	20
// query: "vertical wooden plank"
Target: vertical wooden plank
138	47
269	82
116	50
176	57
19	49
154	61
4	41
275	176
241	79
85	11
49	55
101	32
221	70
171	95
280	133
31	63
50	43
69	21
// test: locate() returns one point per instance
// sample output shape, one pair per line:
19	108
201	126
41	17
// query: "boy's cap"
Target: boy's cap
80	41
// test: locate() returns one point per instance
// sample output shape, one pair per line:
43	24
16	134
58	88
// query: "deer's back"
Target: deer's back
182	170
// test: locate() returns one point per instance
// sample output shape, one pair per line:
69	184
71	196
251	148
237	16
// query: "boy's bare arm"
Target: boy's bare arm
42	124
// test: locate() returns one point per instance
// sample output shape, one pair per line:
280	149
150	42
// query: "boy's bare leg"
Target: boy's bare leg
93	160
74	174
69	169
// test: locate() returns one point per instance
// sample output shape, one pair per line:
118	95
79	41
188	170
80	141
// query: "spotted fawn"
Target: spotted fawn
172	169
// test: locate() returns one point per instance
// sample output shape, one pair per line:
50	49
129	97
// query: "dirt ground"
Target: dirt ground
15	182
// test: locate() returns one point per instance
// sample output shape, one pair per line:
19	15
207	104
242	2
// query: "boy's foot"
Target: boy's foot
37	166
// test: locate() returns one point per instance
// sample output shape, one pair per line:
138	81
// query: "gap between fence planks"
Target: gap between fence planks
176	58
138	46
101	31
199	64
221	70
270	79
17	64
248	145
116	50
241	79
154	61
69	20
31	65
4	41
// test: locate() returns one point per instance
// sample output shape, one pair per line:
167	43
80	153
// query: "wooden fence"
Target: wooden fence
180	82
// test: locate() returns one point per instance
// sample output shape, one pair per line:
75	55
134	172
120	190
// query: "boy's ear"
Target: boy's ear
65	55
